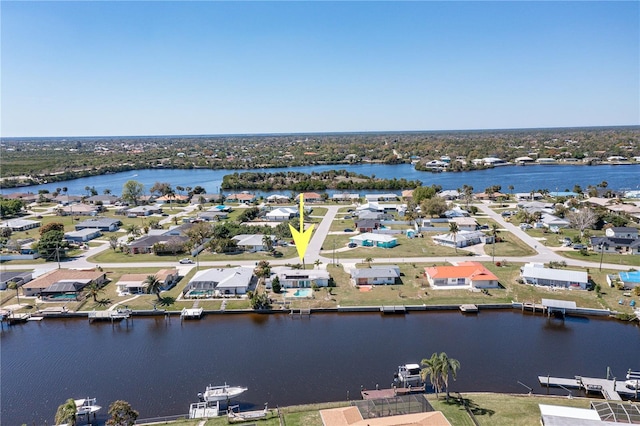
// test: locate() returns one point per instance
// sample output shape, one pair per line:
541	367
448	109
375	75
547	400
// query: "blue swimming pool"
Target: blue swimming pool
66	296
299	292
630	277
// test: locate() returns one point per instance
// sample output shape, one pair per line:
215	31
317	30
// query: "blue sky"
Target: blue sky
153	68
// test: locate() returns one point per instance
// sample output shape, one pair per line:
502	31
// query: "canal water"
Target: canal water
523	178
159	366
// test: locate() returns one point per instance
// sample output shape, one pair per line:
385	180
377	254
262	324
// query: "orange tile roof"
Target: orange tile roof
473	270
350	416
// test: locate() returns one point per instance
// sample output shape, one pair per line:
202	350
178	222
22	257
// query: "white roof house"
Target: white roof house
550	220
282	213
381	197
251	242
225	281
277	198
301	278
375	275
369	239
462	238
536	273
20	224
345	197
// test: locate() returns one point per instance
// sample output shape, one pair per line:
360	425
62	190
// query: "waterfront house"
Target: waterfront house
252	243
376	275
25	197
301	278
135	283
351	416
205	198
536	273
219	281
78	210
66	199
345	197
104	224
369	239
105	200
140	211
380	197
465	274
277	198
18	225
242	197
407	194
73	281
282	214
82	236
462	238
449	194
310	197
17	277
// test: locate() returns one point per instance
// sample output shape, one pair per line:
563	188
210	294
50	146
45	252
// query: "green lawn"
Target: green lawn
619	259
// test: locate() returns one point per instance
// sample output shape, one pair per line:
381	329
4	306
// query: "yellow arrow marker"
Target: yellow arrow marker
301	238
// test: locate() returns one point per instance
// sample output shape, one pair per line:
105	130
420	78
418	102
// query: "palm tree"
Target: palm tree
267	242
317	263
154	285
93	290
431	370
448	366
66	413
369	260
453	229
14	286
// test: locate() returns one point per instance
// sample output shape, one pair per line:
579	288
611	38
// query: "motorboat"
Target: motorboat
409	375
633	380
86	406
221	393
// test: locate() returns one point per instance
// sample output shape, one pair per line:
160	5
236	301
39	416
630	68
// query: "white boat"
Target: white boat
409	375
86	406
633	384
221	393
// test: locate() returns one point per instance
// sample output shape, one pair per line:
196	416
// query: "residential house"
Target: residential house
550	221
282	214
462	239
17	277
622	232
529	196
140	211
229	281
310	197
369	239
345	197
242	197
105	200
615	245
301	278
456	212
212	216
72	282
173	199
465	274
66	199
380	197
25	197
252	243
278	199
158	244
376	275
82	236
351	416
449	194
206	198
18	225
492	196
104	224
536	273
135	283
464	223
367	225
79	210
407	194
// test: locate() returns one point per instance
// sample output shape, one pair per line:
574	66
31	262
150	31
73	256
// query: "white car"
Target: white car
186	261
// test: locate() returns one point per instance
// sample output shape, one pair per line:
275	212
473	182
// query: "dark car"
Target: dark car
352	245
348	230
579	247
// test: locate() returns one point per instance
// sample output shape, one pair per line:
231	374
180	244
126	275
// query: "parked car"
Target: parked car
348	230
579	247
352	245
186	260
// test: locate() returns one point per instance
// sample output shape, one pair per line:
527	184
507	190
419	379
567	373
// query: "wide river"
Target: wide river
524	179
159	366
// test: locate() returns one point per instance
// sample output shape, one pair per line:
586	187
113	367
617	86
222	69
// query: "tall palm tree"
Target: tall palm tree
453	229
66	413
267	242
369	260
317	263
448	367
14	286
431	370
154	285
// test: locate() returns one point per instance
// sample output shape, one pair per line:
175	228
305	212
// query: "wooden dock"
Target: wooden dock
18	318
112	316
389	393
202	410
468	308
609	389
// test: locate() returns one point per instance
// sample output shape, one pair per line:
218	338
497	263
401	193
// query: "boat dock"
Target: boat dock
610	389
14	318
393	309
202	410
390	393
193	313
112	316
467	308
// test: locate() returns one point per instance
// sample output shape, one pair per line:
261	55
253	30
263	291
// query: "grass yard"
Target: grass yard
500	409
407	247
616	259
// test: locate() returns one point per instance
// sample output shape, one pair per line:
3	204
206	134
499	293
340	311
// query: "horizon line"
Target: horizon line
323	132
